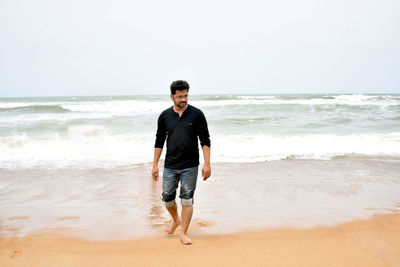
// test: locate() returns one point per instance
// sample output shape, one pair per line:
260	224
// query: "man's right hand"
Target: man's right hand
154	173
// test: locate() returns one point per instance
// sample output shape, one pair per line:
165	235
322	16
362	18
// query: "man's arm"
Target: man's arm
157	154
205	143
206	171
158	147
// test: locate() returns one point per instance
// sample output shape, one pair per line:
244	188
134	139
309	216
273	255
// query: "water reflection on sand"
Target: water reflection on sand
126	203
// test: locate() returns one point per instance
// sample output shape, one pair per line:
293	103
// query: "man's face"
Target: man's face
180	98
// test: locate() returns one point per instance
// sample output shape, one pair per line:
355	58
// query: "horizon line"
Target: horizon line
214	94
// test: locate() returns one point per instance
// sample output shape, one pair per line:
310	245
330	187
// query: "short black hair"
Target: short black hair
179	85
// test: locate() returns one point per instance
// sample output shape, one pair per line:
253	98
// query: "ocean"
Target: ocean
113	131
80	166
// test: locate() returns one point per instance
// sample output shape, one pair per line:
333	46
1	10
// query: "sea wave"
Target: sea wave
155	104
264	147
93	131
51	117
128	107
34	109
103	108
95	147
350	100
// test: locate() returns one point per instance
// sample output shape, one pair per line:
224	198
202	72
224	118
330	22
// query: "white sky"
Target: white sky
92	47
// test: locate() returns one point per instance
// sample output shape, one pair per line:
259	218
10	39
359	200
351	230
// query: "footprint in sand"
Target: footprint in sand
202	223
16	253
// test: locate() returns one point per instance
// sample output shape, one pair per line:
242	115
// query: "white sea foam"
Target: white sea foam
95	147
148	105
250	148
106	131
352	100
256	97
128	107
85	147
28	104
31	118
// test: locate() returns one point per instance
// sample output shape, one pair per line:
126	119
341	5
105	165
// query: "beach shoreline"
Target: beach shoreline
107	204
339	212
371	242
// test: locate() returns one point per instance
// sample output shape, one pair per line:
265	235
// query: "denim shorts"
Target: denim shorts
171	178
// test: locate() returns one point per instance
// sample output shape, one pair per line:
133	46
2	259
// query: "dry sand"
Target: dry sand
373	242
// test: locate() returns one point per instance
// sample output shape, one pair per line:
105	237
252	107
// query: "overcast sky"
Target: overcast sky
92	47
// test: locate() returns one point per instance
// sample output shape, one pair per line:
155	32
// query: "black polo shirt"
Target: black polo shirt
181	134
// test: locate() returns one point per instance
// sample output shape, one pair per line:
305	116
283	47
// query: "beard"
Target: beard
180	104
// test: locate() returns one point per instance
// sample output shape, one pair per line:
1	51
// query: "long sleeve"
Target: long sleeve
203	133
161	132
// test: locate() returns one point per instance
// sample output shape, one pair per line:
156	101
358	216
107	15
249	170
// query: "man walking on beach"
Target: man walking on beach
181	125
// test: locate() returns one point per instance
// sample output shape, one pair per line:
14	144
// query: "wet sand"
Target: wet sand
339	212
372	242
125	204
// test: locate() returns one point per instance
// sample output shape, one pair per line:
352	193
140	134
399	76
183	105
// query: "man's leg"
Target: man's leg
187	212
170	183
188	186
173	210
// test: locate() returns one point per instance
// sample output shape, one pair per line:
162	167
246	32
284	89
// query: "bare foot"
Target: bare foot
171	229
185	239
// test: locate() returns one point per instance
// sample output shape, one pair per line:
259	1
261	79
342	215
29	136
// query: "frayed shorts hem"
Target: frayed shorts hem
184	202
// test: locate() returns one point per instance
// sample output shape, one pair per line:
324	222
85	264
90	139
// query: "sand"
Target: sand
372	242
106	204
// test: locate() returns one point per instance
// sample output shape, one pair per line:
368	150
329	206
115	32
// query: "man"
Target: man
181	125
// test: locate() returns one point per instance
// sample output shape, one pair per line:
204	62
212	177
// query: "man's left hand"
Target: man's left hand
206	171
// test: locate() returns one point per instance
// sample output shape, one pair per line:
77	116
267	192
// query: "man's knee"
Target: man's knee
187	198
169	199
187	202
